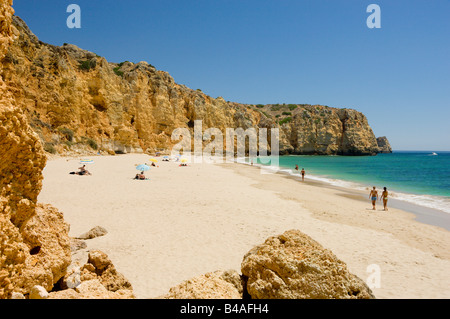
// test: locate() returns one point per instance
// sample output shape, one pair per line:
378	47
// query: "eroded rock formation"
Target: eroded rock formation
97	279
288	266
35	248
34	245
383	145
294	266
215	285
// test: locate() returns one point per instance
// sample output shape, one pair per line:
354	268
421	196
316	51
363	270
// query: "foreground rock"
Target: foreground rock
294	266
288	266
97	279
34	242
93	233
215	285
38	292
35	247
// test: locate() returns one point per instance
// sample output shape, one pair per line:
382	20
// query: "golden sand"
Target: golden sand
187	221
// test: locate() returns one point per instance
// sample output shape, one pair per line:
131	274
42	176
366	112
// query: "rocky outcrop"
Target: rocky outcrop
294	266
77	101
383	145
35	248
97	279
288	266
215	285
34	242
322	130
97	231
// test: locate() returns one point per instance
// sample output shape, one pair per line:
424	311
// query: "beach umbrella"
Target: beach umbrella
165	156
143	167
154	160
86	161
184	160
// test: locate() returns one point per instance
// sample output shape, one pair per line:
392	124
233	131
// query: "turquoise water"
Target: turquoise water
418	177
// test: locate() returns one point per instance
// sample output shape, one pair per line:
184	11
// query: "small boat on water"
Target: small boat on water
433	153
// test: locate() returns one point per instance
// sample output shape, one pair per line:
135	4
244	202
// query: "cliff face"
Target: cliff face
35	247
76	100
383	145
317	129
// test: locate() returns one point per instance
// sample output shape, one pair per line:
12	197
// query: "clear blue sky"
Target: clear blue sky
282	51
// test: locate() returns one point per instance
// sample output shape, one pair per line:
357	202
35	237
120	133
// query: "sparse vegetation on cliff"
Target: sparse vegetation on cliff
86	65
89	141
285	120
49	148
275	108
68	133
117	68
117	71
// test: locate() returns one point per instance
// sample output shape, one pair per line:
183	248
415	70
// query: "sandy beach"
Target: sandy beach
187	221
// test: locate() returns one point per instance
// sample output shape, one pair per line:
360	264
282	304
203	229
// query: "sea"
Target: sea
417	177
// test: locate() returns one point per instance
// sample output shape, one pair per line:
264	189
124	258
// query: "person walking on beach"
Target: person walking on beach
373	196
384	196
303	174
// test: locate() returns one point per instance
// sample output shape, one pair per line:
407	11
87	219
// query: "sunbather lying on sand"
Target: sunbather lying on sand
140	176
83	171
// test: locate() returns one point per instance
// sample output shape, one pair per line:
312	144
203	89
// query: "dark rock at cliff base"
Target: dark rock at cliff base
383	145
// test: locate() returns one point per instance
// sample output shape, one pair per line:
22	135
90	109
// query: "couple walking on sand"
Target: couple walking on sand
374	196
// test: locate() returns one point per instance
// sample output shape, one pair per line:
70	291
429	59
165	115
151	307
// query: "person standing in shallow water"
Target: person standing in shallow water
384	196
303	174
373	196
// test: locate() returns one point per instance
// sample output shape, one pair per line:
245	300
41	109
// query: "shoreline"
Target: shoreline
437	203
423	214
188	221
400	208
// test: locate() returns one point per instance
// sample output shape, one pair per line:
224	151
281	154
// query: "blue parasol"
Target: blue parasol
143	167
86	161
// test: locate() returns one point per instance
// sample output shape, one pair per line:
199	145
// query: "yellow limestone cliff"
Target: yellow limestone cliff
77	100
35	247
